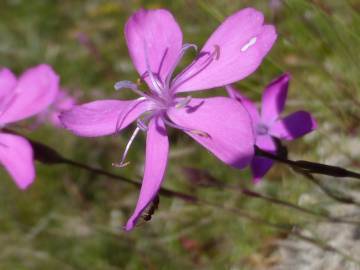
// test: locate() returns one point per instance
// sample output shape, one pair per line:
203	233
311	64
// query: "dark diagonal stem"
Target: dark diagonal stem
310	167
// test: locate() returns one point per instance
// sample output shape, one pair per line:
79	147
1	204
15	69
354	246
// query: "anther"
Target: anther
120	165
138	82
200	133
183	103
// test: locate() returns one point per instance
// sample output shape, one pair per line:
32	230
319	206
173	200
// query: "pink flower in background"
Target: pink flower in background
62	102
270	124
155	44
21	98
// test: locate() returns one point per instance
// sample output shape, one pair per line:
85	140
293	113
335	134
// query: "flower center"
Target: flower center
261	129
162	95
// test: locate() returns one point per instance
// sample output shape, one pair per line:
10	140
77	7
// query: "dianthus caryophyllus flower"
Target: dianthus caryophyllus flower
63	102
268	124
155	45
21	98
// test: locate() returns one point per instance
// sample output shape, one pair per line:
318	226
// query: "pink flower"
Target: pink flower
154	39
63	102
269	124
21	98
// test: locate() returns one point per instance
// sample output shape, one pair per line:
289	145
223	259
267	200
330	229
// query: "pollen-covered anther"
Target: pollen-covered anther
183	103
139	82
121	164
200	133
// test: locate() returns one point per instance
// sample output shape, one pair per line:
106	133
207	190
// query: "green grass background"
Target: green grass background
71	219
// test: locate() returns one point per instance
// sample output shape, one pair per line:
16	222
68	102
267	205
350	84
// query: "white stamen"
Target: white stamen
122	162
249	44
125	84
132	86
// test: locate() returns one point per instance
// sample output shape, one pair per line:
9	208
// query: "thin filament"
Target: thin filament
133	87
141	124
183	50
154	81
190	130
122	116
128	145
215	55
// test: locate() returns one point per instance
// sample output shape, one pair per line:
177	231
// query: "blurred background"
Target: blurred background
72	219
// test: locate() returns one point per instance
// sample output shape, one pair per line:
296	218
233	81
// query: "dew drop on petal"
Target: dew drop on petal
250	43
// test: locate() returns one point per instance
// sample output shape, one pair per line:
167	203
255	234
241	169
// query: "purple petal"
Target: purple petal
293	126
159	33
226	123
7	83
102	117
157	148
274	98
36	89
16	155
260	165
247	103
265	142
237	48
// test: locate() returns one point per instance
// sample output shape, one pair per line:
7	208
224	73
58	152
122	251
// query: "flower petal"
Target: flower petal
16	155
260	165
157	149
293	126
36	89
234	51
227	124
159	33
7	82
247	103
102	117
274	98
